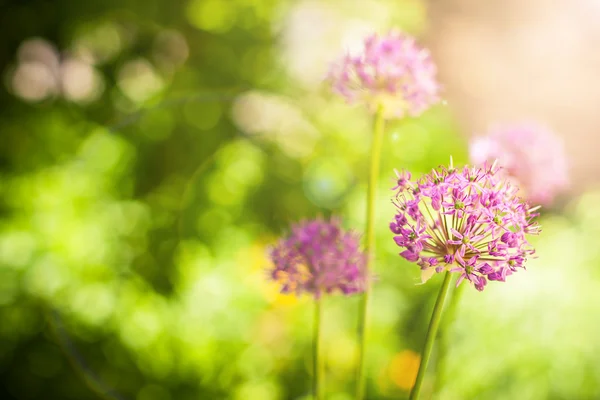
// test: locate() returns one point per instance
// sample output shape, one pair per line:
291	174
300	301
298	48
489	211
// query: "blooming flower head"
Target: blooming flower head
319	257
530	154
468	221
392	72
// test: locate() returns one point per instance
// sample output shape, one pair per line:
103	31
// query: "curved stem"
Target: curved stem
431	333
443	336
378	129
317	378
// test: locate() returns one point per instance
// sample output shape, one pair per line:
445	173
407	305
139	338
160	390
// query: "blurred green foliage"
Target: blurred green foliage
151	152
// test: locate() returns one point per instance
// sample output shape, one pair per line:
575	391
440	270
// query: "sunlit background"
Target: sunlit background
152	150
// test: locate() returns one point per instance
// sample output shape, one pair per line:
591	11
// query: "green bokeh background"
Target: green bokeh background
136	217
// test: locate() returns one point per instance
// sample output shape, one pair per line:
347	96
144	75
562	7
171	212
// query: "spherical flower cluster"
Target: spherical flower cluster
392	72
319	257
530	154
468	221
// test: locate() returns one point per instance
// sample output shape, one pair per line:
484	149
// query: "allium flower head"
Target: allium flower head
391	71
319	257
466	220
530	154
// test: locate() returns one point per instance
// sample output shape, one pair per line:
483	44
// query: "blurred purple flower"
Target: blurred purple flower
319	257
392	71
467	221
530	154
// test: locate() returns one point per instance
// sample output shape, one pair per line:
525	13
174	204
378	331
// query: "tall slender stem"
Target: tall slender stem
431	333
443	336
318	375
378	128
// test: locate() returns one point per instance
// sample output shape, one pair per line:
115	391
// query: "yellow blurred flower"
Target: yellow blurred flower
403	369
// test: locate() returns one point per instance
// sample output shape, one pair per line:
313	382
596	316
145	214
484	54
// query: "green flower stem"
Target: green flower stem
378	129
443	335
431	334
318	374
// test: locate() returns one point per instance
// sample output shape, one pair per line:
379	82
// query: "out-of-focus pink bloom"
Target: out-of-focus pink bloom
530	154
468	221
319	257
392	71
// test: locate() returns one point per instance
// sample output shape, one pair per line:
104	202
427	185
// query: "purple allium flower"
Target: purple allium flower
468	221
319	257
391	71
530	154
